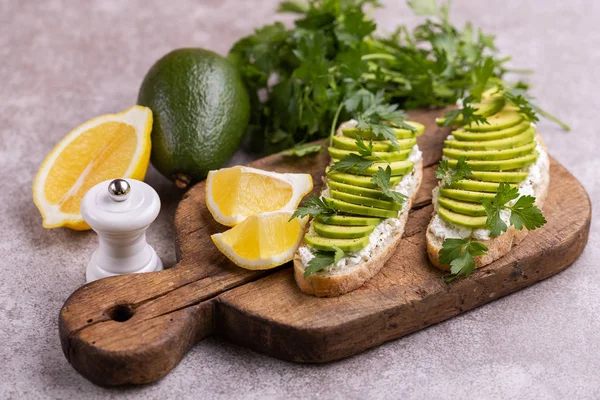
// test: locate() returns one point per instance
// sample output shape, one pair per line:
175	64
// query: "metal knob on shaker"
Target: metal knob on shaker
120	211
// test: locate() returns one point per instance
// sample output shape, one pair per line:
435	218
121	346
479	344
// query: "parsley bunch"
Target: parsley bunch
331	66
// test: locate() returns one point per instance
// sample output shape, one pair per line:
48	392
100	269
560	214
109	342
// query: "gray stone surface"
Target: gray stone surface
63	62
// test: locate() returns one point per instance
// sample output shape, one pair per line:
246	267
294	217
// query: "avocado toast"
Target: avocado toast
494	180
365	205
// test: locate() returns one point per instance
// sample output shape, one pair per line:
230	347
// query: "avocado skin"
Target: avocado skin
327	244
472	209
501	120
349	220
201	109
462	134
356	180
341	231
347	143
478	186
366	201
466	195
461	219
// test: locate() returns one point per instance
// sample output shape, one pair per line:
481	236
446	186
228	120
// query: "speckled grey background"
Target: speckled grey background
63	62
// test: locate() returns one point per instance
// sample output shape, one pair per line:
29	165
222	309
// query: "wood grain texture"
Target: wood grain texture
134	329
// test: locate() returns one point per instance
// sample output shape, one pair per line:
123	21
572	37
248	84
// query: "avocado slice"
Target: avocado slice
461	219
465	195
366	201
472	209
501	165
400	133
349	220
356	209
357	190
502	176
338	154
398	168
477	186
462	134
491	154
514	141
347	143
328	244
502	120
356	180
489	106
341	231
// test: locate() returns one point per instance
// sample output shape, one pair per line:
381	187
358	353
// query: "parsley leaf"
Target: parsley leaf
315	206
523	212
323	259
453	175
302	149
481	75
493	207
382	179
375	116
467	115
363	149
355	162
519	101
459	254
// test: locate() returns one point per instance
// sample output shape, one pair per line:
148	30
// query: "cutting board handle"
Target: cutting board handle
136	328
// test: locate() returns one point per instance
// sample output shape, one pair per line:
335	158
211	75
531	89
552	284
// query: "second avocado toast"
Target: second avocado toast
364	204
494	180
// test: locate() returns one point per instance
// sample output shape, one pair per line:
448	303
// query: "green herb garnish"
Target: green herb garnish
315	207
453	175
353	161
331	66
459	254
382	179
302	149
523	212
323	259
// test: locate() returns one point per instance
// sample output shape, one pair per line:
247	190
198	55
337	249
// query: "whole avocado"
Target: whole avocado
201	109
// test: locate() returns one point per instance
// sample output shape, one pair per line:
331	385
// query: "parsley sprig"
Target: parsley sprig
315	206
523	213
381	178
452	175
323	259
361	161
459	254
374	115
303	149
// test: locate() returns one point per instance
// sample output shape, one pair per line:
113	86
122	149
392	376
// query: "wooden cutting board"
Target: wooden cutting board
136	328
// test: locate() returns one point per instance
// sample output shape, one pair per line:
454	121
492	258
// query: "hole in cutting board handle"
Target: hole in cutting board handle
120	312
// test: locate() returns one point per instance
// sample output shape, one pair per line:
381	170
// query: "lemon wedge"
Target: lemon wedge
105	147
234	194
262	241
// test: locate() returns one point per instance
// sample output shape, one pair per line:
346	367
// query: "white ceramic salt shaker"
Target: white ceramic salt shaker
120	211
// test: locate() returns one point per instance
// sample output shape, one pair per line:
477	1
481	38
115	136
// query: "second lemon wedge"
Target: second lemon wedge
234	194
262	241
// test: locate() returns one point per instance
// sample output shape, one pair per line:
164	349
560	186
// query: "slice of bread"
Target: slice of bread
346	279
497	246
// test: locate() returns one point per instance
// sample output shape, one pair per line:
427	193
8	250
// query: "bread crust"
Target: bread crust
323	284
498	246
